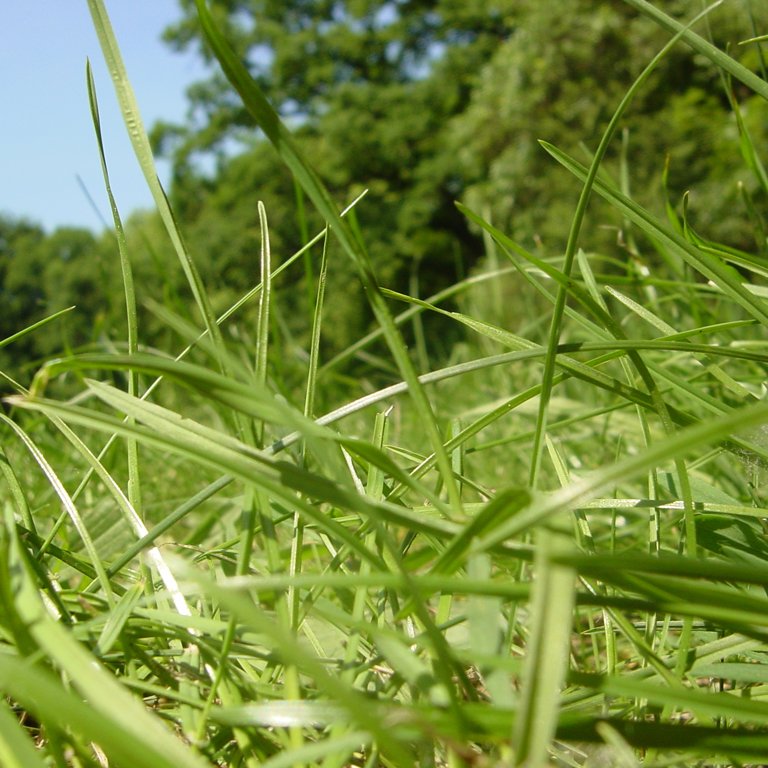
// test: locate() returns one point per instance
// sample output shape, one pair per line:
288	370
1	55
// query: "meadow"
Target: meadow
547	549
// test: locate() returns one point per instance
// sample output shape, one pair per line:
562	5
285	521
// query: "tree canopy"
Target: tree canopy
423	103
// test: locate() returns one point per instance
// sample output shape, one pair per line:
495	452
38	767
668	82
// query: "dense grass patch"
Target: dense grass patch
547	549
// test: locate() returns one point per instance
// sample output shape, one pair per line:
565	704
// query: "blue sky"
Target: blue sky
46	135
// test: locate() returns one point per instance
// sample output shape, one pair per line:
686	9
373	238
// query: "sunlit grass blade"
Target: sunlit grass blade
143	152
707	264
678	444
297	540
16	748
134	480
17	491
358	708
128	514
112	717
66	501
252	399
547	657
120	729
170	433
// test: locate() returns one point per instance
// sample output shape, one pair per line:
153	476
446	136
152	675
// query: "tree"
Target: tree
425	102
303	52
22	295
559	77
43	273
369	87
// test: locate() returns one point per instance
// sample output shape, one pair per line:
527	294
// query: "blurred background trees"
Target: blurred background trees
422	103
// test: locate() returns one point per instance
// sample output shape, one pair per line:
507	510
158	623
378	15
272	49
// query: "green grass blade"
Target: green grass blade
359	709
700	702
143	152
134	483
702	46
34	327
112	717
546	660
252	399
727	278
589	180
679	444
17	491
16	748
66	501
170	433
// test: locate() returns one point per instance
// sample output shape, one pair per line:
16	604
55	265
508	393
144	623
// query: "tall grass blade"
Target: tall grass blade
66	502
571	249
702	46
112	717
134	483
143	151
713	268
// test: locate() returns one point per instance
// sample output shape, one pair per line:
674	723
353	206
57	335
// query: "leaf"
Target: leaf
112	717
16	748
709	265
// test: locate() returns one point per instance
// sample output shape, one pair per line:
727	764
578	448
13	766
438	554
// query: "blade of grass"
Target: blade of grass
571	249
678	444
34	327
359	709
16	748
727	278
66	502
112	717
702	46
143	152
168	432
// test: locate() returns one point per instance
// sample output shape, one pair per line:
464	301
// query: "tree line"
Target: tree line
422	103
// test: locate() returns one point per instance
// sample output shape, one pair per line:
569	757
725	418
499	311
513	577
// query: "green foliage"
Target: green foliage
223	551
21	292
559	76
45	274
371	88
424	104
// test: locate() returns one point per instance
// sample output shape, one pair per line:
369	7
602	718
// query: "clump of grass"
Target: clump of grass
542	552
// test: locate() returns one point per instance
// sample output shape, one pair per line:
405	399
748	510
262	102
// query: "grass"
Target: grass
549	550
